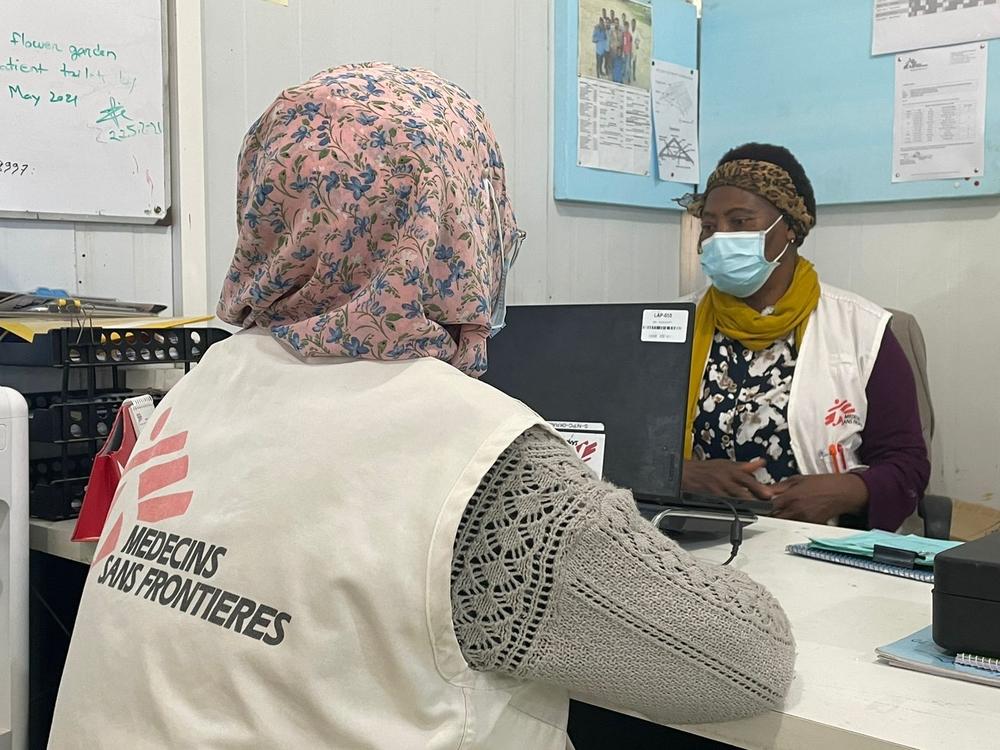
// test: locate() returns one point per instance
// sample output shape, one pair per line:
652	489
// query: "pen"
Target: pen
840	452
833	458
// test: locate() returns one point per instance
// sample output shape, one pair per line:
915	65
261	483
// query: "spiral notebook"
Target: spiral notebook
916	574
978	662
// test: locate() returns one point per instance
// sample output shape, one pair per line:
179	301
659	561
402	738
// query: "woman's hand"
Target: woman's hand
819	497
724	478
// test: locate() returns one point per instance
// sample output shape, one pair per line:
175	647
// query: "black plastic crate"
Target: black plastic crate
58	481
109	347
48	469
57	500
79	417
45	399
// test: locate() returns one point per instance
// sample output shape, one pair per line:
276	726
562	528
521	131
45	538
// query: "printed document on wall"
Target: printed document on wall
939	119
900	25
615	127
675	121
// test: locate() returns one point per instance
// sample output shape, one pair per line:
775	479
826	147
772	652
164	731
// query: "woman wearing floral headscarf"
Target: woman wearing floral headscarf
332	536
800	393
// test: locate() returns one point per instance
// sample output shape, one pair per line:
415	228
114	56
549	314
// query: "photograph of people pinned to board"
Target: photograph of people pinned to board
939	120
614	42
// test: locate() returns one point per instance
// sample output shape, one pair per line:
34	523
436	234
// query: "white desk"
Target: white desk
53	537
842	698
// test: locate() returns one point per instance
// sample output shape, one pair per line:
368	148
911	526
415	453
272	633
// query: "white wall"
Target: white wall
102	260
938	260
498	50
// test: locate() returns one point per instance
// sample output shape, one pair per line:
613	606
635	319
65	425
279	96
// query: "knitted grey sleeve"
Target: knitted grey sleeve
557	578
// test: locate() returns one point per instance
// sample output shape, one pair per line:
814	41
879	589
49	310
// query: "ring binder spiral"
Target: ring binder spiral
979	662
916	574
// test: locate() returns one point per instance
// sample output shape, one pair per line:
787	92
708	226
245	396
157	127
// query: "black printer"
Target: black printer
967	597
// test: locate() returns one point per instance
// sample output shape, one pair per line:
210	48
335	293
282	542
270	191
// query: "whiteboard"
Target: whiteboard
82	114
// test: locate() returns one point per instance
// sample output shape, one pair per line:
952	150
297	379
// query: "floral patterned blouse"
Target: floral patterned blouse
743	407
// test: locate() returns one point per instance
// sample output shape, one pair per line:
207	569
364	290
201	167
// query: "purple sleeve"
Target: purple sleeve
892	441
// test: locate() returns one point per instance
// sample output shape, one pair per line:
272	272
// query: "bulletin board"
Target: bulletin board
800	74
675	39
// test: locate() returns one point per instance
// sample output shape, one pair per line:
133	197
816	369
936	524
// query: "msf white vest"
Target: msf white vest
275	572
828	405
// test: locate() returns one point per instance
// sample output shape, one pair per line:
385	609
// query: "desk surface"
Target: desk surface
53	537
841	696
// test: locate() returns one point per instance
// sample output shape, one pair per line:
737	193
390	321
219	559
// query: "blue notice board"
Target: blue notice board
675	39
799	73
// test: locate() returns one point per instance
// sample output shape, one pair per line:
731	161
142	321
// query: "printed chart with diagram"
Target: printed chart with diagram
82	110
675	118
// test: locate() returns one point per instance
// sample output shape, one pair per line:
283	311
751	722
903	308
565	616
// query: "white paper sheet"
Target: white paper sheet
615	126
664	326
675	120
939	119
914	24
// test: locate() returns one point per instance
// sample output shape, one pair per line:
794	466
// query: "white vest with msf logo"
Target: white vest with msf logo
828	405
276	570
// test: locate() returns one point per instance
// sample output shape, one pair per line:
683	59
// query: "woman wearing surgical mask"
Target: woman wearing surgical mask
800	393
333	535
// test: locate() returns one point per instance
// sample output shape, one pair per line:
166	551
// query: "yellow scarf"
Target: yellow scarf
734	318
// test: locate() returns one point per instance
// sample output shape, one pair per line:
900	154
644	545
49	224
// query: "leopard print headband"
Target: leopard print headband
769	181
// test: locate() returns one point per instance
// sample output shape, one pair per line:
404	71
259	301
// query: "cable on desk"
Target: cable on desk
735	528
735	532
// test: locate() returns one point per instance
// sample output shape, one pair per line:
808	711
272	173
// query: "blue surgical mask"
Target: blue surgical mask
735	262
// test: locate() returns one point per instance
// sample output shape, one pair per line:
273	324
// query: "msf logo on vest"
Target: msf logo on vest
153	504
842	412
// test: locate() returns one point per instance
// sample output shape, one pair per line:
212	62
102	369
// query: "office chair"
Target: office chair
933	511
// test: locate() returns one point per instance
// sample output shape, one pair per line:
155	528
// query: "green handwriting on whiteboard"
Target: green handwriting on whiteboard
14	65
76	51
20	39
19	94
113	113
68	98
132	130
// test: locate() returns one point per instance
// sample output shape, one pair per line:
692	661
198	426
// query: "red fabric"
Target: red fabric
104	478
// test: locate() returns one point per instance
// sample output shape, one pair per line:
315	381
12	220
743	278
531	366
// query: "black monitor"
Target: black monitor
624	366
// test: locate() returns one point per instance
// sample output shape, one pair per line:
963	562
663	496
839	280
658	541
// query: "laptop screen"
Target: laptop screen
614	379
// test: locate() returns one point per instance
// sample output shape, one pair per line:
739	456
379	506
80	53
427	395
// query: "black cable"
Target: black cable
735	532
735	528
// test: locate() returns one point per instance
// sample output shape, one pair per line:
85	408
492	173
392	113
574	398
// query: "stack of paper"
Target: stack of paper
920	653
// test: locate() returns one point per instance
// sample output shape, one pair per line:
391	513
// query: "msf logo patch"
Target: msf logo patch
842	412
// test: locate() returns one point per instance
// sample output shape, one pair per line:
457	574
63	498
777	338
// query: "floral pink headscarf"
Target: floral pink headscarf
365	229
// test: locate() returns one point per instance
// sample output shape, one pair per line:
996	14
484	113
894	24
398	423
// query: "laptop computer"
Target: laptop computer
613	378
